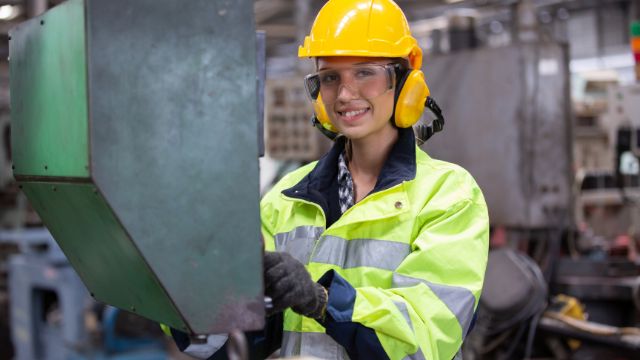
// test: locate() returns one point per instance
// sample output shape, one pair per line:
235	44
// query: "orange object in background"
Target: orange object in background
635	45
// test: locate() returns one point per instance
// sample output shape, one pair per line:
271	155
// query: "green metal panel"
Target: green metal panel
49	101
172	89
99	249
168	103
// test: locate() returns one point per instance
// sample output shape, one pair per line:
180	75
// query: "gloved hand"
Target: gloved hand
289	284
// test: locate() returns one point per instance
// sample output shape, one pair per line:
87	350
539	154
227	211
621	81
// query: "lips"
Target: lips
352	114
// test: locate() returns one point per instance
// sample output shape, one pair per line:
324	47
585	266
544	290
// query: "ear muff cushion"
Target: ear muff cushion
321	114
411	99
401	78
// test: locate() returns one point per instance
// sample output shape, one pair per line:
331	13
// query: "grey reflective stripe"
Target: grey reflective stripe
381	254
299	241
418	355
290	344
458	299
458	355
318	345
204	351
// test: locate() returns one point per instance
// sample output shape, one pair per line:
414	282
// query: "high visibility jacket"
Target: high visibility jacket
404	266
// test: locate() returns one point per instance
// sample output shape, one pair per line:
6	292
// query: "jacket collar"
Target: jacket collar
320	184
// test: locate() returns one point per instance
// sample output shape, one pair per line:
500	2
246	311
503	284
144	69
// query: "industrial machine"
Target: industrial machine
607	197
53	316
137	147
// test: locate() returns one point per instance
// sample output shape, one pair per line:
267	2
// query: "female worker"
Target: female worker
396	241
376	251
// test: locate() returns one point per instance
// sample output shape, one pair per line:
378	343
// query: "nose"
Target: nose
346	92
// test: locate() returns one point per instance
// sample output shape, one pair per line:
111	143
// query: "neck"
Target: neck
369	154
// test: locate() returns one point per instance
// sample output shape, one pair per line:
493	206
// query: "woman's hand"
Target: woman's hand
289	284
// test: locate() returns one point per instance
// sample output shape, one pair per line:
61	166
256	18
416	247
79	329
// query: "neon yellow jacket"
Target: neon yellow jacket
404	267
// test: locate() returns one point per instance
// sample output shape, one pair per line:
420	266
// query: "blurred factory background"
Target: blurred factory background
542	106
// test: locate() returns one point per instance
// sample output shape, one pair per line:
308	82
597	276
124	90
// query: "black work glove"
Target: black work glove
289	284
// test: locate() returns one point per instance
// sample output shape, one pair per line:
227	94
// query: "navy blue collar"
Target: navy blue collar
320	186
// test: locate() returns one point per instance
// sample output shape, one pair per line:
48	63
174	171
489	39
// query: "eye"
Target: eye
329	78
363	73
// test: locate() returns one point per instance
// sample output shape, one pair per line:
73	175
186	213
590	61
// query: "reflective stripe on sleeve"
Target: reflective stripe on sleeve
290	343
458	299
418	355
319	345
381	254
204	351
298	242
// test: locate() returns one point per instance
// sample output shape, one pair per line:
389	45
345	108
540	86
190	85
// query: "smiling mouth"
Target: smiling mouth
353	113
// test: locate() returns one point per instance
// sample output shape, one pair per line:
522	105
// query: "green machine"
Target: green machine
134	136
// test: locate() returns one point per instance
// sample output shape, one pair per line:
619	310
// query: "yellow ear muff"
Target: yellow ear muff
411	100
321	114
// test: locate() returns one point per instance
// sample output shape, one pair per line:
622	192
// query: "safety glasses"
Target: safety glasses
366	80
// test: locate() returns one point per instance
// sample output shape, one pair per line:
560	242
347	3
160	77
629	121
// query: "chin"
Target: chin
353	133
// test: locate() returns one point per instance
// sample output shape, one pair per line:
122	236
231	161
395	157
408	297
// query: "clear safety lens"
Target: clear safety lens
367	81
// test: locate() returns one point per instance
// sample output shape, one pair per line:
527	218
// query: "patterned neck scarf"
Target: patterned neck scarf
345	184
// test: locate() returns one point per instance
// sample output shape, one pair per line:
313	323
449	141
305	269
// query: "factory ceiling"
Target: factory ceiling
287	21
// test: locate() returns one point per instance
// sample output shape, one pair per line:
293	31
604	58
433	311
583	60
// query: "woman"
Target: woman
396	241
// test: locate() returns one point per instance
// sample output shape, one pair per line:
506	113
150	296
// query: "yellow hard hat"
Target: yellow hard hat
371	28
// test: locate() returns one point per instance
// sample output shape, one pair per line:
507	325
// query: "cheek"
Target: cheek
383	108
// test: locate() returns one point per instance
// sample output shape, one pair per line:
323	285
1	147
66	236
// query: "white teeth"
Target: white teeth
354	113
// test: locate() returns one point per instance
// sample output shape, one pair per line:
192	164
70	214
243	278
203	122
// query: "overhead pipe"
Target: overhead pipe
35	7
